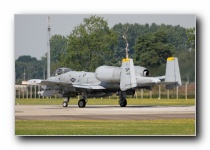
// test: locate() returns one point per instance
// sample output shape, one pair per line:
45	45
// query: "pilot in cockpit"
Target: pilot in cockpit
60	71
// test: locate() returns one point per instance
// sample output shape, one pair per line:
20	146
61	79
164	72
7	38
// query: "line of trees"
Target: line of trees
93	43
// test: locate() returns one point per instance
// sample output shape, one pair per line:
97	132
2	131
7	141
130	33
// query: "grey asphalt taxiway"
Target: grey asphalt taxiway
102	112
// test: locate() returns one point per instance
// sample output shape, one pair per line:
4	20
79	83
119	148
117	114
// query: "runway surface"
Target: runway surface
101	112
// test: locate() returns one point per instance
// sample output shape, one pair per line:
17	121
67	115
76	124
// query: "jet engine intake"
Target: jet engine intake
146	73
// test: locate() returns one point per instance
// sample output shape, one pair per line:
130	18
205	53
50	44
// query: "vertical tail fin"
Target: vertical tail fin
172	78
127	78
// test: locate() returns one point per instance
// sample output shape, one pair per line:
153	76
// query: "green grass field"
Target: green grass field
99	127
107	101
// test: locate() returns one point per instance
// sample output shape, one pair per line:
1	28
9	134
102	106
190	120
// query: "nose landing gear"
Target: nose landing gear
66	102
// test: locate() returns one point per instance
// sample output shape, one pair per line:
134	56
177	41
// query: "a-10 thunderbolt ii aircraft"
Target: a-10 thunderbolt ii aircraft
106	80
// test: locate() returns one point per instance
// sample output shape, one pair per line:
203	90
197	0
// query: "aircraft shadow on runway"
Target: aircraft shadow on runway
101	106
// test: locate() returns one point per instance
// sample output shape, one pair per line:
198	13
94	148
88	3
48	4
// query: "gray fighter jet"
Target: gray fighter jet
106	80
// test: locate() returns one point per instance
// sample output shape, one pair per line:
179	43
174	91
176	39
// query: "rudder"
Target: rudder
172	75
127	78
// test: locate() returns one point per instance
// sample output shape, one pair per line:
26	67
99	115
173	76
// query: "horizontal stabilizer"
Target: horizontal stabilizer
161	78
172	76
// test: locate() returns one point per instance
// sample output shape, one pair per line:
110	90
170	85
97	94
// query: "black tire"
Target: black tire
81	103
123	102
65	104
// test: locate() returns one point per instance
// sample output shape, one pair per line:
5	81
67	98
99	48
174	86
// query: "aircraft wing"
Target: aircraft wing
58	83
46	82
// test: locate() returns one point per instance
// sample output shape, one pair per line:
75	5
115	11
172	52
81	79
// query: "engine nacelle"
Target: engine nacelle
108	73
141	71
112	74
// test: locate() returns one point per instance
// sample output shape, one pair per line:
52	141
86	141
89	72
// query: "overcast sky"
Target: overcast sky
31	30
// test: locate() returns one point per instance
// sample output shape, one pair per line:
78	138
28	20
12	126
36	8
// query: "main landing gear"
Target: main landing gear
122	101
81	103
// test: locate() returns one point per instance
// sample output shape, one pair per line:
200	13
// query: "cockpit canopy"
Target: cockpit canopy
60	71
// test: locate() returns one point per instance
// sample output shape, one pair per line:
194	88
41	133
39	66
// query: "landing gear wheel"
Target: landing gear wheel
82	103
123	102
65	104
